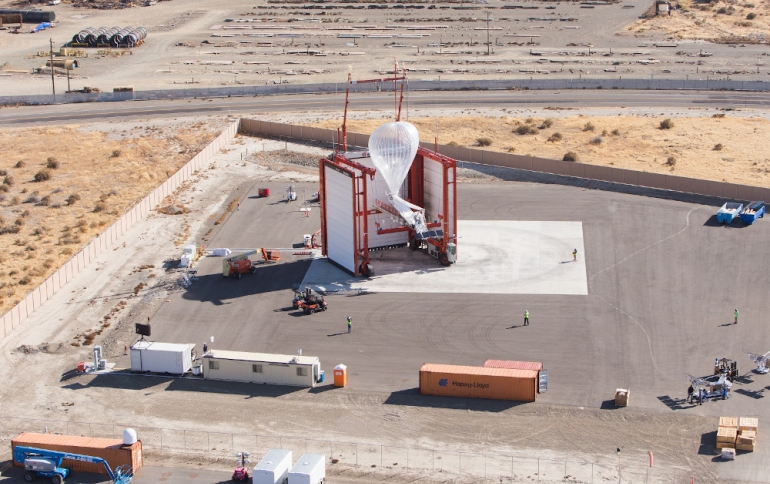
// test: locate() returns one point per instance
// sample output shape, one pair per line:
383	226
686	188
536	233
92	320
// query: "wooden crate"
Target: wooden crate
746	447
748	423
725	445
727	434
728	422
621	397
747	437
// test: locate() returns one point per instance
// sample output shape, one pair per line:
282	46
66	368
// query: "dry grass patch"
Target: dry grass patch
643	146
60	186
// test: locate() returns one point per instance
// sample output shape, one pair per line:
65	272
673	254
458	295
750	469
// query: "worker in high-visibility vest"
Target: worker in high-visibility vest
526	318
736	317
350	324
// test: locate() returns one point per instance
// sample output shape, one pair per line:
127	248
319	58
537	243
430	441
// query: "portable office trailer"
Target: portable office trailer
309	469
112	450
161	357
302	371
273	468
478	382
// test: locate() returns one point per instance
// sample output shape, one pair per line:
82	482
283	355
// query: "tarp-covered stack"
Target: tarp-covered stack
747	434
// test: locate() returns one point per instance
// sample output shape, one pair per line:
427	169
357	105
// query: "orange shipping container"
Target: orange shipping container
478	382
514	365
112	450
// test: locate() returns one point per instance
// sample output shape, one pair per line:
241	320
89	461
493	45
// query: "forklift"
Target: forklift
309	303
727	367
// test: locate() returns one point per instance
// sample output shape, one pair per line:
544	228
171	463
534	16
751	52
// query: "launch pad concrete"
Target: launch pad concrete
494	257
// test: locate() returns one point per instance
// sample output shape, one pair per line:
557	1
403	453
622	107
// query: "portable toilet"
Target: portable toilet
340	375
273	468
308	241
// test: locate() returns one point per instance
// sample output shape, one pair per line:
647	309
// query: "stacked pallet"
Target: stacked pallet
747	434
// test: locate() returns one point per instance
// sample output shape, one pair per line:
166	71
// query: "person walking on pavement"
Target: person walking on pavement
574	255
526	317
350	324
736	317
690	391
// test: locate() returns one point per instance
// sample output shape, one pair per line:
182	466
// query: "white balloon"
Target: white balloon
392	147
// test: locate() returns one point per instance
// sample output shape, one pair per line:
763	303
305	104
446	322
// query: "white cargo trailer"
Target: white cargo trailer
161	357
273	468
309	469
301	371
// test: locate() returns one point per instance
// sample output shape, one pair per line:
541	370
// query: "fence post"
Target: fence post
434	460
461	462
161	440
356	454
512	473
232	443
485	466
565	468
208	443
184	440
538	469
407	457
592	473
382	448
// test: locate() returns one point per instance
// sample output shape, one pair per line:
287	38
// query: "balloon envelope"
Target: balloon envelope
392	147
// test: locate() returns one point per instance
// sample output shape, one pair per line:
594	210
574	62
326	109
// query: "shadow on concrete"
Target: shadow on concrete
413	398
755	394
675	403
713	222
323	388
727	324
121	380
69	375
608	405
707	443
337	334
218	290
743	379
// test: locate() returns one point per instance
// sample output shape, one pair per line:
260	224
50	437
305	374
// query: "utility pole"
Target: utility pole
53	85
488	45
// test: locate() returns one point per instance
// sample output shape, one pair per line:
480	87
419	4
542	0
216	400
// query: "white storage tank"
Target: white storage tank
309	469
161	357
273	468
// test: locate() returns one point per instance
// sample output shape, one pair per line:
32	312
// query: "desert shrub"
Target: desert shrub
666	124
23	191
20	164
24	281
3	172
100	207
453	143
52	163
597	140
555	137
4	188
45	201
671	161
718	115
10	229
8	180
525	129
718	147
616	132
42	175
570	156
32	198
744	23
66	251
19	222
72	199
547	123
589	127
115	153
483	141
57	190
15	201
751	16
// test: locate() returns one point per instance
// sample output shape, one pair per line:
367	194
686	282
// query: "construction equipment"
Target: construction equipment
47	463
761	362
241	473
310	303
239	264
727	367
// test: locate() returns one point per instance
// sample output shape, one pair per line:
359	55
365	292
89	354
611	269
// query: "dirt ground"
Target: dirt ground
88	178
707	145
719	22
195	44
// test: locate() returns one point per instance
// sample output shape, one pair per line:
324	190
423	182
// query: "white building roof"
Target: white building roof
261	357
156	346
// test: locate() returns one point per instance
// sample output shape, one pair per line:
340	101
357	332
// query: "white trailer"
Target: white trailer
271	369
309	469
157	357
273	468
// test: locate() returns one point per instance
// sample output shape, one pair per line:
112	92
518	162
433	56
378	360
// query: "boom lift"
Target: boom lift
47	463
239	264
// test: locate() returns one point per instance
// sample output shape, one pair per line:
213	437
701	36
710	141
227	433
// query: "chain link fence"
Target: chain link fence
354	454
460	85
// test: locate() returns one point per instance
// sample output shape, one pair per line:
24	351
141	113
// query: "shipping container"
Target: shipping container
302	371
162	357
309	469
514	365
478	382
273	468
112	450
